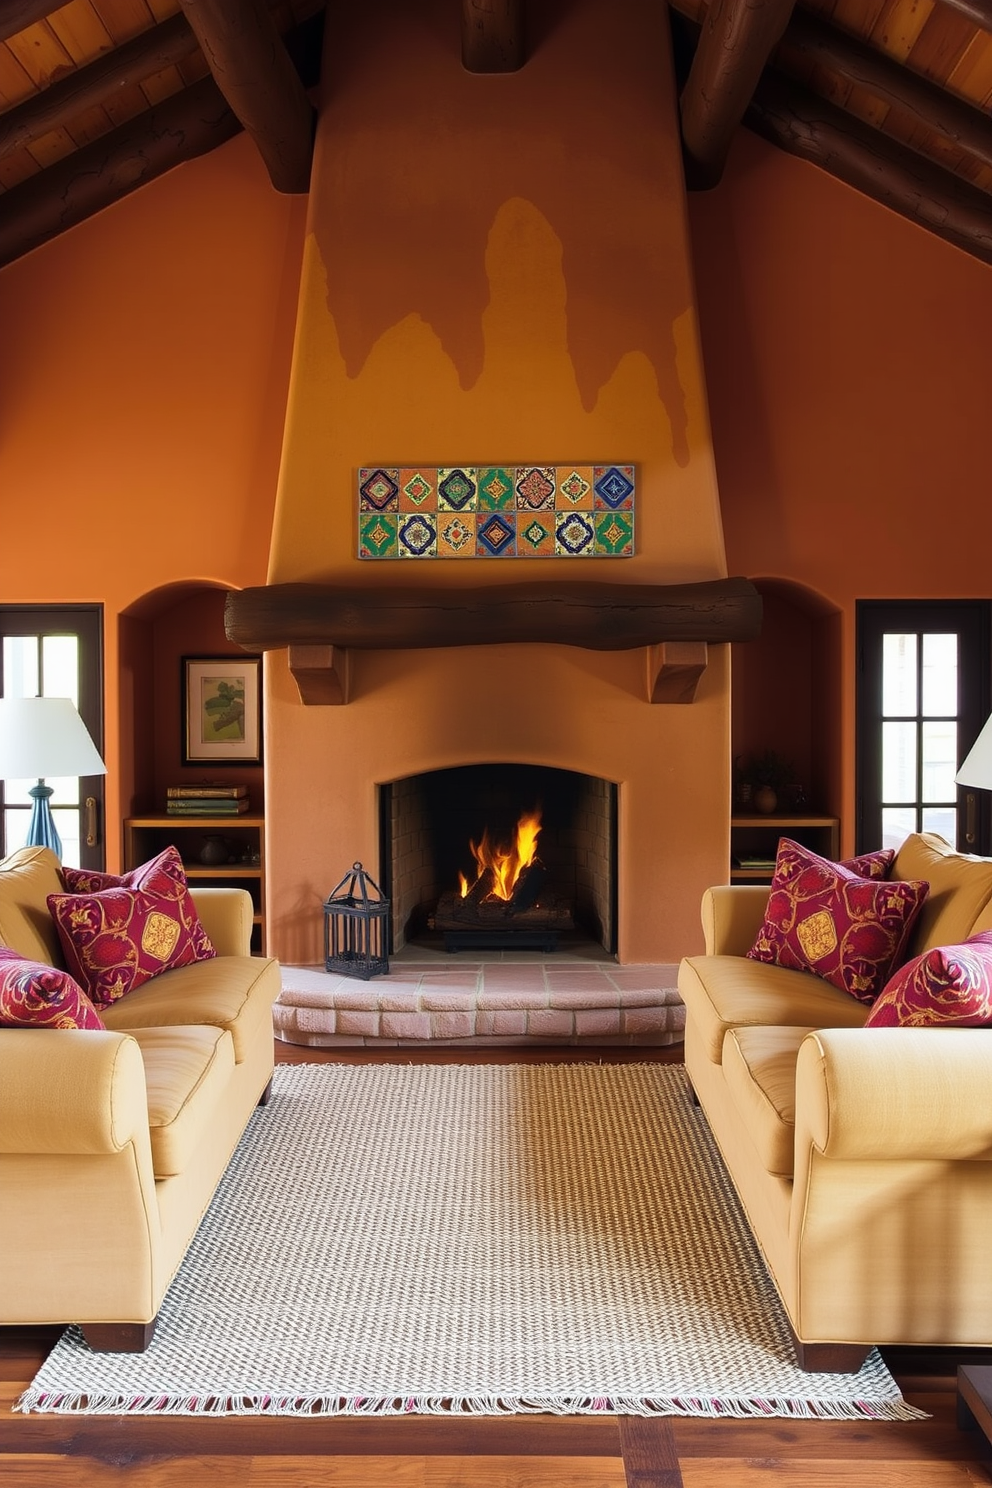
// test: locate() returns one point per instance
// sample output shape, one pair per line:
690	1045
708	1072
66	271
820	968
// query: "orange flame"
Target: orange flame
506	863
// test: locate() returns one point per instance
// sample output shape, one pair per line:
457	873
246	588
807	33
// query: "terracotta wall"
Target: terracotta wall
848	359
143	374
497	271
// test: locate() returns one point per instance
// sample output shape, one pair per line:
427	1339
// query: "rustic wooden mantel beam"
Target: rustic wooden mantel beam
737	38
253	70
600	617
492	35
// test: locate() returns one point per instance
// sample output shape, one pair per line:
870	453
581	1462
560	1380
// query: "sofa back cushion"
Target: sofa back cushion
960	888
27	878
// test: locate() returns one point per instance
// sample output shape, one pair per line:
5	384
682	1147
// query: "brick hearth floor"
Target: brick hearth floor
513	997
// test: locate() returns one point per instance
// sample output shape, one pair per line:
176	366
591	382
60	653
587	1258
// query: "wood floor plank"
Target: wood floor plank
770	1472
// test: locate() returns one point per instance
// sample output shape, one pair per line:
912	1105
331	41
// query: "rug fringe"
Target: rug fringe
45	1402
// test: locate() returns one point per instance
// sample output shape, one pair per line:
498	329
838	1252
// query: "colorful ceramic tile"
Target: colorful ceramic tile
456	534
614	534
614	486
536	535
495	489
377	536
417	536
456	488
418	489
575	536
535	488
496	536
496	511
378	489
575	491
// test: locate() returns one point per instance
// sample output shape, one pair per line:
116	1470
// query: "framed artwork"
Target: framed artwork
222	710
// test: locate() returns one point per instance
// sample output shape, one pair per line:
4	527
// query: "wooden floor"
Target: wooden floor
501	1452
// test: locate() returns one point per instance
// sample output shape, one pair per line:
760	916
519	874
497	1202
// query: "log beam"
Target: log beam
184	126
492	35
251	66
737	38
809	40
149	52
600	617
919	190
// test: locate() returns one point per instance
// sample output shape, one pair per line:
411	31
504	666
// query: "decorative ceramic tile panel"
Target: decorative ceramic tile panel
496	511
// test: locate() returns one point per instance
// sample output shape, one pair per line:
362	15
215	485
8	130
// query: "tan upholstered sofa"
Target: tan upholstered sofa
862	1156
112	1143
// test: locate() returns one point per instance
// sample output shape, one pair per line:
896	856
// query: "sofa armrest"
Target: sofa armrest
732	915
896	1094
226	915
70	1091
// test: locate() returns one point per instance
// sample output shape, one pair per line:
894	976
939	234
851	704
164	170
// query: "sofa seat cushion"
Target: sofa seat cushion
233	992
759	1065
960	888
187	1071
722	992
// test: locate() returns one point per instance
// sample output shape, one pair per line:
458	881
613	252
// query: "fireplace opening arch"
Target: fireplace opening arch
427	823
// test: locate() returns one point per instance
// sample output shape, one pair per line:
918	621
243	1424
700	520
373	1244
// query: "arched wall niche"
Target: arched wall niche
786	690
155	632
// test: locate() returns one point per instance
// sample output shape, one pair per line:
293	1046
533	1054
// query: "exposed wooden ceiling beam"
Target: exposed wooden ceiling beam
492	35
150	52
252	68
737	38
188	124
18	15
978	11
919	190
808	39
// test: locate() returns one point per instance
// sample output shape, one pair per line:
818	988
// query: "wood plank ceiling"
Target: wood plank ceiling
99	96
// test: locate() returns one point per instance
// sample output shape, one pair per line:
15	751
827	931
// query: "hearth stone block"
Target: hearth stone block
522	999
449	1002
508	1023
364	1024
646	1020
316	1020
594	997
635	997
601	1022
406	1025
452	1025
548	1023
356	1001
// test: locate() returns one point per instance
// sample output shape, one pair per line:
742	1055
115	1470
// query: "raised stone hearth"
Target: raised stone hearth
492	1001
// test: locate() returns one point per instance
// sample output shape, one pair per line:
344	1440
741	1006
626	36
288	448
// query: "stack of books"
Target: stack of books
207	800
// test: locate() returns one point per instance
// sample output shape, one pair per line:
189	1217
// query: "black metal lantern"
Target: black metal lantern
355	937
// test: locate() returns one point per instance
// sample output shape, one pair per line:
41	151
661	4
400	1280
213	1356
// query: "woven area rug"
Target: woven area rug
469	1239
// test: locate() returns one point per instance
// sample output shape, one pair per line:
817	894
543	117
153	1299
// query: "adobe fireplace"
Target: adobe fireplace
500	856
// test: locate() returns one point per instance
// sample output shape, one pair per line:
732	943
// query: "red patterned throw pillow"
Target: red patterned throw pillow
33	995
949	984
871	864
824	919
119	932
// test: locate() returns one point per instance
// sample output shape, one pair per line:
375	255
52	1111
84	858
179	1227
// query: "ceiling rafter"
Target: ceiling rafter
737	38
252	68
492	35
56	106
979	12
18	15
890	173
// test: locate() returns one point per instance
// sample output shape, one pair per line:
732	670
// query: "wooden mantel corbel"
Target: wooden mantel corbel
320	623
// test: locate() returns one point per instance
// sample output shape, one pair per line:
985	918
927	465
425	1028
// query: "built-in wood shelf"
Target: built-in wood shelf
144	836
756	835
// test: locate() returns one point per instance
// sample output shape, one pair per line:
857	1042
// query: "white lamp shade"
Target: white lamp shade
977	767
44	736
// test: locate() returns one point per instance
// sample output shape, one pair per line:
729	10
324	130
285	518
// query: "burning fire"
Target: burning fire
504	864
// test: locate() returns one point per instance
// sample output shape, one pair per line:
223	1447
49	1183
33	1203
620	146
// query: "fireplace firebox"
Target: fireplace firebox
500	856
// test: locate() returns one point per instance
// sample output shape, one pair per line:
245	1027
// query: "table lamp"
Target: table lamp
977	766
39	737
